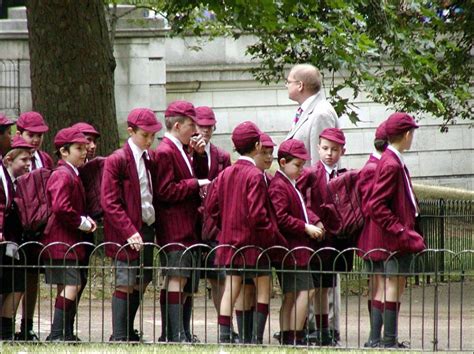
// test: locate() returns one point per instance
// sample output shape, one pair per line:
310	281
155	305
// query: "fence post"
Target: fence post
442	213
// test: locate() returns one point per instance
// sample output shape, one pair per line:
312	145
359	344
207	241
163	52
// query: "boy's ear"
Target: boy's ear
63	151
129	130
282	162
343	151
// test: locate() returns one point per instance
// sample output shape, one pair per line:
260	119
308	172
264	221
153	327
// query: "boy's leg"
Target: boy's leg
63	308
262	285
334	298
10	304
233	284
394	287
287	306
29	306
217	289
376	310
176	298
244	308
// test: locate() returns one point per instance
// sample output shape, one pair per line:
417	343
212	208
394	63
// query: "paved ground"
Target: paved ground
445	312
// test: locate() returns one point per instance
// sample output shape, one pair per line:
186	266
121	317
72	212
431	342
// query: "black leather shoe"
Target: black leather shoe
372	344
29	336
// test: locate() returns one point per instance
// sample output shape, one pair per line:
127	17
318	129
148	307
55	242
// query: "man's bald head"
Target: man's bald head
309	76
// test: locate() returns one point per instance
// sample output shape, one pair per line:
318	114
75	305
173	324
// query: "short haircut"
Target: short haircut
380	145
398	137
284	155
4	128
133	126
308	75
248	148
66	146
14	153
171	121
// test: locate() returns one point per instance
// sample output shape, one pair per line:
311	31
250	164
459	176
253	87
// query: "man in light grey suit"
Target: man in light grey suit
314	114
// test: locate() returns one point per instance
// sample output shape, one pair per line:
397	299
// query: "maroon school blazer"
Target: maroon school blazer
177	198
121	201
10	225
390	209
291	220
67	201
220	159
46	159
366	181
245	215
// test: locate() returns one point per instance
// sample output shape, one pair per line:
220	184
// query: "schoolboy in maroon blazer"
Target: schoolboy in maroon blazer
5	133
32	127
214	159
313	185
129	219
244	219
66	224
297	224
392	209
178	200
15	163
364	184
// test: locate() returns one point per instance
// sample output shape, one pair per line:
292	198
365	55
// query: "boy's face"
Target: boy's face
206	131
35	139
184	131
264	158
76	155
91	146
21	164
330	152
293	168
5	140
141	138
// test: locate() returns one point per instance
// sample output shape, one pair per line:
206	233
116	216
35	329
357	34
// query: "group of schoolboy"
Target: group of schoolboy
186	192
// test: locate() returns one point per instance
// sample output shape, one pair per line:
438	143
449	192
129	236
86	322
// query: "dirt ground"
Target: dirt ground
431	318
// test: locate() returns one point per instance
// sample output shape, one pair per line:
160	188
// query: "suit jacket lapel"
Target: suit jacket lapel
304	116
133	172
179	158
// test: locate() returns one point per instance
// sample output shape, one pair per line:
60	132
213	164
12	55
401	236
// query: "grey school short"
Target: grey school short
293	280
63	272
183	264
13	275
130	273
404	265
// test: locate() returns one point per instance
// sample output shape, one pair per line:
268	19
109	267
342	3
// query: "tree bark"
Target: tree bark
72	67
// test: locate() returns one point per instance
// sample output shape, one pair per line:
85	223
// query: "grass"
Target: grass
160	348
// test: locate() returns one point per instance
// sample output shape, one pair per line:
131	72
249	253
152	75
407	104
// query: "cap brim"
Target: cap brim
205	122
151	128
79	141
37	129
91	133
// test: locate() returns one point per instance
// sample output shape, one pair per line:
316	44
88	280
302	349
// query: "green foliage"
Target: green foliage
400	52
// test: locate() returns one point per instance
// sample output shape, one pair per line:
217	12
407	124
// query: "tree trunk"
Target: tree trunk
72	67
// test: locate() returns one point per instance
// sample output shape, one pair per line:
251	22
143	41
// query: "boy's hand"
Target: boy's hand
135	241
203	182
1	236
198	144
313	231
93	225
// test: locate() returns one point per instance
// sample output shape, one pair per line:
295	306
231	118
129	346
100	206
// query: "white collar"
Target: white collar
304	106
76	171
377	155
207	148
137	152
175	140
396	152
293	182
249	159
329	169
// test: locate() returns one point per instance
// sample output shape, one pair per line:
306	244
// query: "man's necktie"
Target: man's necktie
298	115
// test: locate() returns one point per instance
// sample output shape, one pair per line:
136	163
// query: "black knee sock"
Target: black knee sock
60	328
26	325
120	315
390	322
260	320
164	316
133	310
376	321
6	328
175	312
224	329
187	314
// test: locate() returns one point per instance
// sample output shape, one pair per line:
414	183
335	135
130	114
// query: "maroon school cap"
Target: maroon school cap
19	143
399	123
205	116
4	121
144	118
333	134
245	133
381	131
266	141
295	148
181	109
32	122
86	128
69	136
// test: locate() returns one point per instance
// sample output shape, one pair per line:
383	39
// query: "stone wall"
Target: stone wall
153	70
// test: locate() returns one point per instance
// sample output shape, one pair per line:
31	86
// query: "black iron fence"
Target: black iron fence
437	311
10	87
